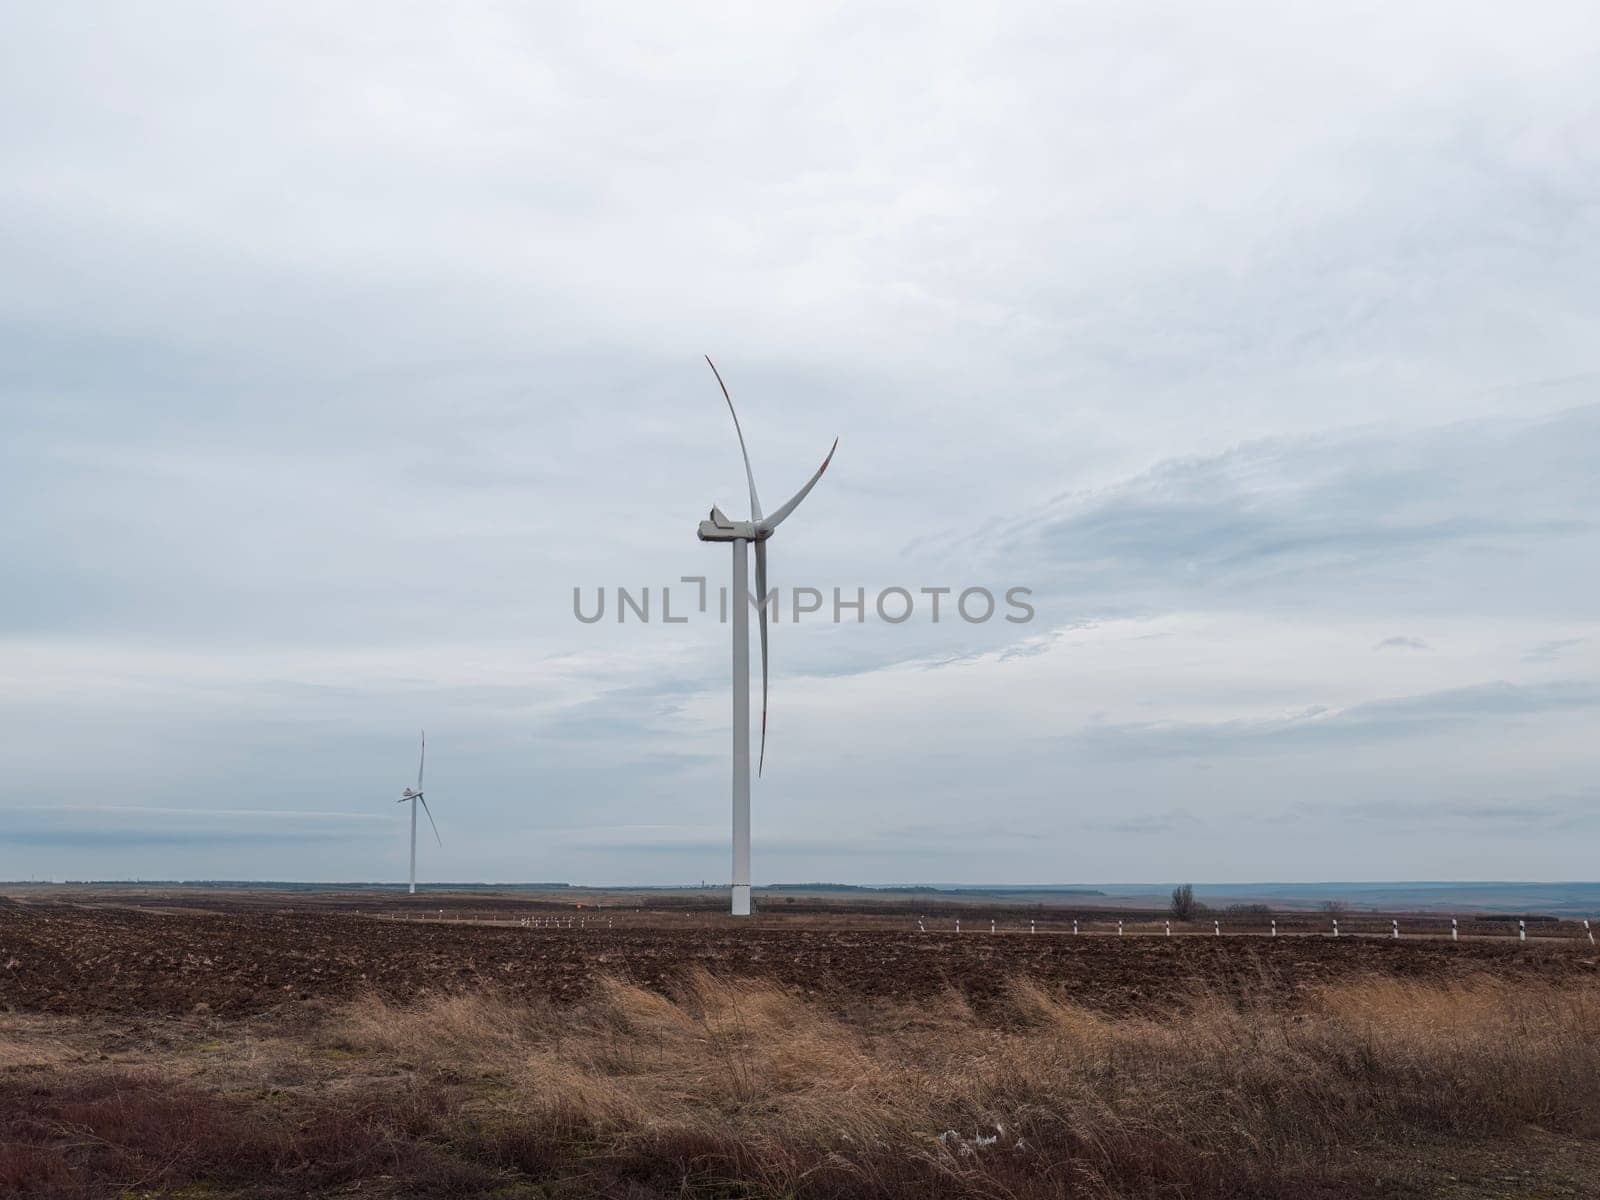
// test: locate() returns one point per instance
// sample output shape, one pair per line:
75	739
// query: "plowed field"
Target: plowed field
75	958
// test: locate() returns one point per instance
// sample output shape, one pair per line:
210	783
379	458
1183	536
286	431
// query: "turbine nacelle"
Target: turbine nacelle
719	529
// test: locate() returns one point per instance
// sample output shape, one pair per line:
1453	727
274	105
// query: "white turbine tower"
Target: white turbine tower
416	797
741	533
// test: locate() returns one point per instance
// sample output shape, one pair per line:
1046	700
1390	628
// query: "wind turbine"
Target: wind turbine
742	533
415	796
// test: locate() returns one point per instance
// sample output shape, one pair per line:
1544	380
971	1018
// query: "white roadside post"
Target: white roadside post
1074	925
1274	926
991	924
1169	928
958	924
1031	928
1522	931
1216	927
1588	931
1336	927
1395	926
1455	932
1119	928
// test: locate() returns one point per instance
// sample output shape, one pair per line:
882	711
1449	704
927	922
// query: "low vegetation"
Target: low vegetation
742	1088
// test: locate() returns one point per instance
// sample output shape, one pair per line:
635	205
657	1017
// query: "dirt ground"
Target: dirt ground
236	958
141	1015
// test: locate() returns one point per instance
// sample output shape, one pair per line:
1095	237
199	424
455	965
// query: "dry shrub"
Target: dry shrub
740	1088
1226	1095
28	1042
134	1127
740	1080
113	1132
27	1170
440	1027
1485	1055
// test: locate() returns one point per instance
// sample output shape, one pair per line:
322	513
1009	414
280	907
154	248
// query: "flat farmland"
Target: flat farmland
257	1046
70	957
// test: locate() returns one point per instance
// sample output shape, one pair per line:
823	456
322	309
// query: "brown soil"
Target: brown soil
85	958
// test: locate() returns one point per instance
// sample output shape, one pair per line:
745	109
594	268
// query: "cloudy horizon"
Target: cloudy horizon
337	348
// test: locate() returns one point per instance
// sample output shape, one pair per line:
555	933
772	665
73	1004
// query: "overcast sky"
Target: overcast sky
339	344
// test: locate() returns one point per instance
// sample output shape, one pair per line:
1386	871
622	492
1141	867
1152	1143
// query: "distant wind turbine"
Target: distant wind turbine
741	533
415	796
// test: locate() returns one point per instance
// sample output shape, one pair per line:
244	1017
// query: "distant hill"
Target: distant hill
1573	899
1570	899
933	889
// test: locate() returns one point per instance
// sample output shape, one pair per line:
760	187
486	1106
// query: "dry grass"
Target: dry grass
737	1088
29	1044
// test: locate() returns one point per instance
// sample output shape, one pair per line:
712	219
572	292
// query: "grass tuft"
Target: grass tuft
737	1087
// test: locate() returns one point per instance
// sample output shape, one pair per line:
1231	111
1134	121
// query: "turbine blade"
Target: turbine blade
761	613
421	758
429	811
777	518
750	476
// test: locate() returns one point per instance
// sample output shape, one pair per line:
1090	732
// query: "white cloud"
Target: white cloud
340	344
